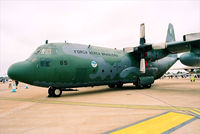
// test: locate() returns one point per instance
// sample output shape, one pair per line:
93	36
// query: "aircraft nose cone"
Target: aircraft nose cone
19	71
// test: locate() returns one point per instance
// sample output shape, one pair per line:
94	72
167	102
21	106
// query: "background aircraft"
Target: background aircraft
178	74
195	71
67	65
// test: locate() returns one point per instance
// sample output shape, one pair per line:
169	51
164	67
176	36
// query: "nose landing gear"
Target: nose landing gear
54	92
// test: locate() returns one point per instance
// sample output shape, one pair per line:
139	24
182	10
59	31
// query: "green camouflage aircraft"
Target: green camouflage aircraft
67	65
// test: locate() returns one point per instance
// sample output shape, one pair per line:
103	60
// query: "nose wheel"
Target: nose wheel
54	92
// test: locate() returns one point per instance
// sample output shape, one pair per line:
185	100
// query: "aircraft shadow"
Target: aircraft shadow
99	91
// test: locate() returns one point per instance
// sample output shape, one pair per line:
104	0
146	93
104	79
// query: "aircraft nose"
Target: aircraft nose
20	71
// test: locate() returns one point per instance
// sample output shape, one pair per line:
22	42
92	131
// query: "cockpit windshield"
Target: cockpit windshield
42	51
45	51
37	51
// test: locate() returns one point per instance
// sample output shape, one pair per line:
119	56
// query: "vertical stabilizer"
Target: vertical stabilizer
170	33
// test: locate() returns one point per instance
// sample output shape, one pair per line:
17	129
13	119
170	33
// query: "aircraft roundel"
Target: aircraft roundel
93	64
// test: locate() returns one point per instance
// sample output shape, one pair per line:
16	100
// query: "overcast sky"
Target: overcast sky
25	25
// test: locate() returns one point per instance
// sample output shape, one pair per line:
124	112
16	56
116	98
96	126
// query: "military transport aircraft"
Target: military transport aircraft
67	65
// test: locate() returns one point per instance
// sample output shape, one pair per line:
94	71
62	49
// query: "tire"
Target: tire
111	85
147	86
138	84
50	92
54	92
119	85
57	92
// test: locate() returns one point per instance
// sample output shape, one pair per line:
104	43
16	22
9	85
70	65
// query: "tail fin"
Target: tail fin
171	38
170	33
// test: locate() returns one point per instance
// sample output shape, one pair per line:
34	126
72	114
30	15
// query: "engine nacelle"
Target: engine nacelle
156	55
190	59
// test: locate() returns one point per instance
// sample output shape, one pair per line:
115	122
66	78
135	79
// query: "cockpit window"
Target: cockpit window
46	51
42	51
37	51
45	62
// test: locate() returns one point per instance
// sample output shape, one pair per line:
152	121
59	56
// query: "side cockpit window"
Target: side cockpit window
44	62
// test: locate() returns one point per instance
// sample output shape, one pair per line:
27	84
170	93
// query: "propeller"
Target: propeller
143	48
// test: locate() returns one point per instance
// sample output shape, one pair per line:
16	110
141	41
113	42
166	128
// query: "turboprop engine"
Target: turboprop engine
191	58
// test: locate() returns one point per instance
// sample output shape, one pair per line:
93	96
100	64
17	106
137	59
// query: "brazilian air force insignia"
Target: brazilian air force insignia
93	64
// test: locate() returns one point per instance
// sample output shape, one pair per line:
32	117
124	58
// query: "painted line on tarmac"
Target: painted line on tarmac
188	110
134	123
18	109
198	110
193	112
179	126
164	123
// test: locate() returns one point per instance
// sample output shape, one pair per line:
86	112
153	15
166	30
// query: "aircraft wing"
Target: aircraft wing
183	46
190	41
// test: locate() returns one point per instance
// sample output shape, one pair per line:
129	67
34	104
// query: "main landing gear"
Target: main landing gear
54	92
140	86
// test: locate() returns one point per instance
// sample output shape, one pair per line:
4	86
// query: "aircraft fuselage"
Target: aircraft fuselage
66	65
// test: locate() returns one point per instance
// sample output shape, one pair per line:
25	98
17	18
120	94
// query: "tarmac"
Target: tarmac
169	106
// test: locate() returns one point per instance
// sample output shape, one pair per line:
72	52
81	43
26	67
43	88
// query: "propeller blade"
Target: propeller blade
145	55
143	49
142	65
142	34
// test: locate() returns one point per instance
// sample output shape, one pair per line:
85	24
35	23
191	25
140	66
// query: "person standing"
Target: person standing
16	83
3	80
192	78
10	83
